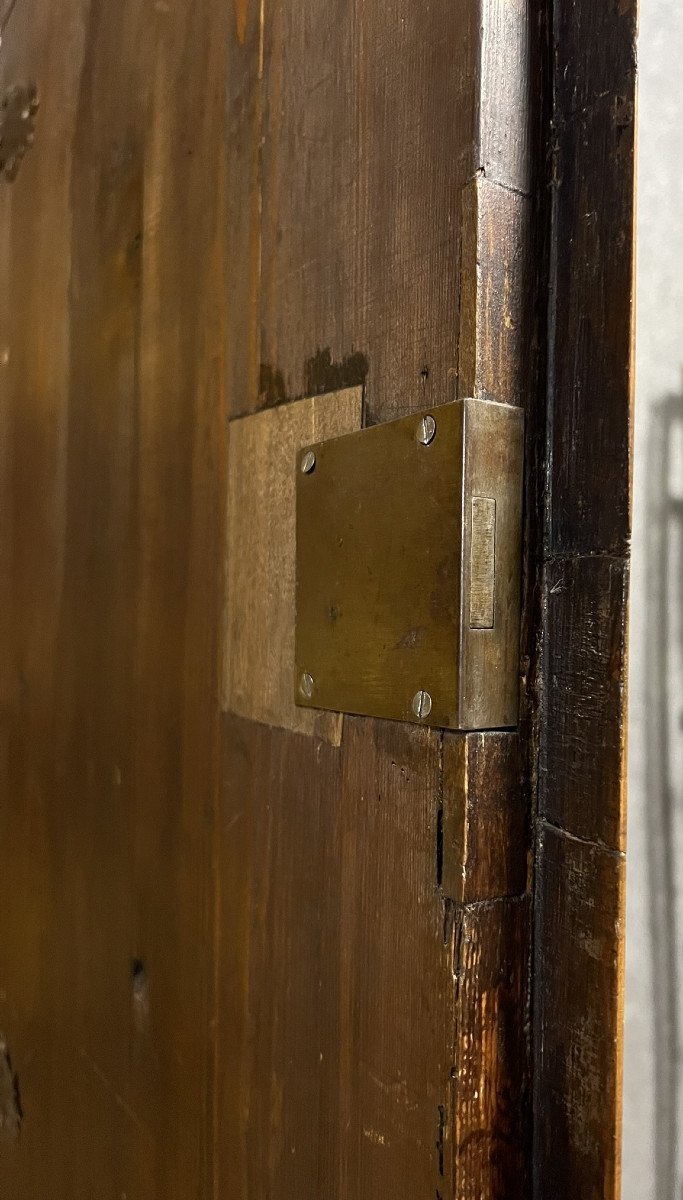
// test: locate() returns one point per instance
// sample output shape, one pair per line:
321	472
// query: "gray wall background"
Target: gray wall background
653	1080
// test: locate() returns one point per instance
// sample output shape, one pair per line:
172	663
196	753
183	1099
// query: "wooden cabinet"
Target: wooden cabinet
249	952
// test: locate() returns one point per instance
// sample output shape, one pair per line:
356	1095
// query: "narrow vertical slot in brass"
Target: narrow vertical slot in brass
483	563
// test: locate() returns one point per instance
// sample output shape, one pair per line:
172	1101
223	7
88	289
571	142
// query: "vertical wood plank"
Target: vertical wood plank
592	313
389	113
376	105
579	967
34	385
583	708
497	279
485	820
491	1077
357	283
581	817
258	674
342	1049
484	873
395	1020
112	473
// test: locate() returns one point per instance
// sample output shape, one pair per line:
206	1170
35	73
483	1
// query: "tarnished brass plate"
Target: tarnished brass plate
408	568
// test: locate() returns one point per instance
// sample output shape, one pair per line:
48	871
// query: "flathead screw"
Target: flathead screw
426	430
306	685
422	704
308	462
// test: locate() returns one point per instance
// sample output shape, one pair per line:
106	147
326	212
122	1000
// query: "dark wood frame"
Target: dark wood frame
581	707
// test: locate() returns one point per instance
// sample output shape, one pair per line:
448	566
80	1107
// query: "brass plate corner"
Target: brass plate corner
408	568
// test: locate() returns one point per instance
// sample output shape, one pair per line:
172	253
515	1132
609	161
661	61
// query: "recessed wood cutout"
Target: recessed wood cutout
261	557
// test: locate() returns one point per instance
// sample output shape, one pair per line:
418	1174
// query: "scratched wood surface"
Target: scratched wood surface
164	278
484	869
344	1060
111	323
581	788
230	962
411	190
258	670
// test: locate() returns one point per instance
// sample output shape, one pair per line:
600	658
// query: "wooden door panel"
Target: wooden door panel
112	449
345	1059
584	597
246	952
358	133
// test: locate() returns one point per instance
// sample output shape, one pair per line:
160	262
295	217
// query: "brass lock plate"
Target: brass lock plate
408	548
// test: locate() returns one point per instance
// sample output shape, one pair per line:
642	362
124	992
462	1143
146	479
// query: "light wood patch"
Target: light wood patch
258	676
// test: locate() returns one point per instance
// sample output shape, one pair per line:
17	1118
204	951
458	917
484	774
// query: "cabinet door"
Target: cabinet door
248	948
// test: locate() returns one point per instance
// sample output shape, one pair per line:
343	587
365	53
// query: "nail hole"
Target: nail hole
11	1112
140	995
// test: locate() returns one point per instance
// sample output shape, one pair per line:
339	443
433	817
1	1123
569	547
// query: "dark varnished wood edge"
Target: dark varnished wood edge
484	869
488	777
580	665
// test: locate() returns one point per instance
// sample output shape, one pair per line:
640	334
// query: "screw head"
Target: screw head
308	462
422	704
306	685
426	430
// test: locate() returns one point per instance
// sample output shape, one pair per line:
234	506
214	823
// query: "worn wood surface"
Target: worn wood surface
579	948
229	962
486	834
397	109
260	551
589	443
492	1123
344	1057
159	252
581	791
10	1100
495	353
364	252
111	322
484	870
581	784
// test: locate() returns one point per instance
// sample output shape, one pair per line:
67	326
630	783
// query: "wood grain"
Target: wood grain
581	785
359	281
10	1099
484	870
363	288
227	207
579	967
496	295
589	444
347	1089
579	861
491	1075
595	56
110	521
242	149
485	821
344	1060
261	558
505	114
